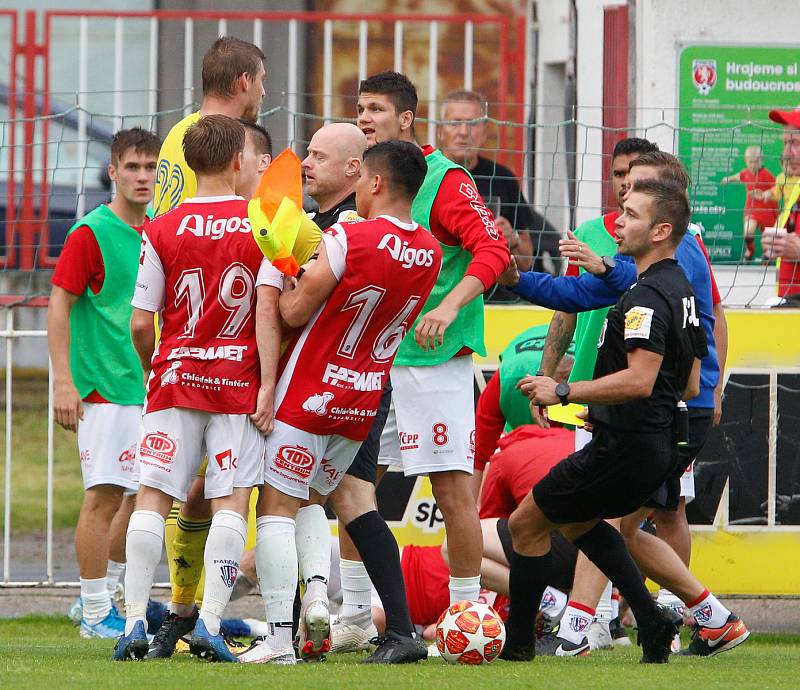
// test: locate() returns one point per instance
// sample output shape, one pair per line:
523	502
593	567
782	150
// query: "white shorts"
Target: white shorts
687	484
297	460
582	437
107	438
175	440
431	422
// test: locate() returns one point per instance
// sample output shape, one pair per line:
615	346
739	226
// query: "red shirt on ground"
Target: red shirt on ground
489	422
525	456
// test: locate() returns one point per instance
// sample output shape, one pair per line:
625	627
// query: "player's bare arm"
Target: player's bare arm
634	383
143	336
559	336
67	405
692	389
298	305
268	338
430	330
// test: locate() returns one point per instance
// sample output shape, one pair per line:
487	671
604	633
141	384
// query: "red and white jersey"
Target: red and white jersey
333	372
200	267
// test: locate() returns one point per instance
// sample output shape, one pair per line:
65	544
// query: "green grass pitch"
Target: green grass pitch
46	652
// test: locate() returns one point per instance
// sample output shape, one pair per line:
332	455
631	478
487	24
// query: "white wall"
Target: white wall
663	26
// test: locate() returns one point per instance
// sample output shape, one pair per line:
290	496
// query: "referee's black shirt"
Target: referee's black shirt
657	314
344	211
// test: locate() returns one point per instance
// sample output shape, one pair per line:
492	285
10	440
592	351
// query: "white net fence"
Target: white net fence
552	176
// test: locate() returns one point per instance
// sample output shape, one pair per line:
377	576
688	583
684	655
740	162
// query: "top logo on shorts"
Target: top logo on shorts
159	446
295	459
318	403
704	75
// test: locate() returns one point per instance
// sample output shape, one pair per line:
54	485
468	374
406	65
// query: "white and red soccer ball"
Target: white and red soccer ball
470	632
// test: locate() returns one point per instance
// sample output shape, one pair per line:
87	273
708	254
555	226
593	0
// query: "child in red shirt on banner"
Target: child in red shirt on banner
760	211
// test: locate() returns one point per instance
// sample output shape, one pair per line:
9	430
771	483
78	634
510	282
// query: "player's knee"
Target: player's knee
102	501
452	494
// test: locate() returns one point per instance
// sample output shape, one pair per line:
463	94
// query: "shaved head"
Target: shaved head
333	163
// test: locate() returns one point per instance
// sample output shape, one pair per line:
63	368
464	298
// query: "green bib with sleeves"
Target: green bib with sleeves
523	356
102	357
590	323
467	328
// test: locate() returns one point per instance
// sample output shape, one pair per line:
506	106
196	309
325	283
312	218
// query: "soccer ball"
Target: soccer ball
470	633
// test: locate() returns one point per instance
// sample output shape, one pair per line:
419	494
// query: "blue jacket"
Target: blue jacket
587	291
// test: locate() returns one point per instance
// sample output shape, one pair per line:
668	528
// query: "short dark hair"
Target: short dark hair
400	163
669	167
140	140
625	147
398	87
670	204
211	143
261	137
225	62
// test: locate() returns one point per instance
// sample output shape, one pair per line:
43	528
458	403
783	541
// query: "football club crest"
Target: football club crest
228	574
704	75
703	615
579	623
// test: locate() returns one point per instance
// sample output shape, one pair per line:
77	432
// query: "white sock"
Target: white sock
143	547
276	563
553	603
575	622
223	553
313	539
96	603
114	572
464	588
667	598
604	609
356	588
708	611
614	604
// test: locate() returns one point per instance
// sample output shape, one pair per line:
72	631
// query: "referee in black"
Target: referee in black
648	360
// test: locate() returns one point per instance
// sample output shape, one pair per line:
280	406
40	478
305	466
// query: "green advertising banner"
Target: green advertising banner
724	96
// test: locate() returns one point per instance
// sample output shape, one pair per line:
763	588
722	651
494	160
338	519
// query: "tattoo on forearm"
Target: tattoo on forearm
559	336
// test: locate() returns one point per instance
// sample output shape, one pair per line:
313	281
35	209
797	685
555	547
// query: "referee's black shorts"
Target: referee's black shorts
668	494
365	464
612	476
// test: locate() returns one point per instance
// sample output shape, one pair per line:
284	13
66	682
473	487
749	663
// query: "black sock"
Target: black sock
527	581
605	547
296	606
378	548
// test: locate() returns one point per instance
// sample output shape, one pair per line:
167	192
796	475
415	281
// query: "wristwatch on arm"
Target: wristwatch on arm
610	264
562	391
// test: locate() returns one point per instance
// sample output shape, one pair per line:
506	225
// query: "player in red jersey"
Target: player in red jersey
213	368
760	209
355	305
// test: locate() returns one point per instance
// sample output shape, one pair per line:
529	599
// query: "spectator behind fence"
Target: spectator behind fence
463	135
784	242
